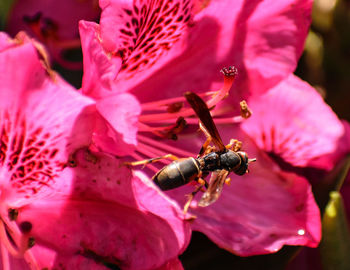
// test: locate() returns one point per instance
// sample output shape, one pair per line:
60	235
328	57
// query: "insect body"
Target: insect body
182	171
177	173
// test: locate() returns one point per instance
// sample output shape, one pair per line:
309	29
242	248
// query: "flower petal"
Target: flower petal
121	112
15	263
263	39
174	264
42	120
293	122
100	67
261	211
110	218
144	34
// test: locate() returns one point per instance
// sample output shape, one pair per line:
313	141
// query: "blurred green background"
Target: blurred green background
325	63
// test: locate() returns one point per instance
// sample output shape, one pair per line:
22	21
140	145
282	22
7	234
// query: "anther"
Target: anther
13	214
175	107
245	111
230	71
172	131
31	242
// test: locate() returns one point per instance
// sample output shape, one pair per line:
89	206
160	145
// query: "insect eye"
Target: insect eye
244	156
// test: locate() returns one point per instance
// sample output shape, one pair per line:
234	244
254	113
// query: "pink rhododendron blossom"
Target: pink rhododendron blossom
108	218
259	212
42	122
290	123
153	43
61	204
54	24
164	49
263	39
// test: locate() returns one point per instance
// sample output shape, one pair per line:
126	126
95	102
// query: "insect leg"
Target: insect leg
202	183
205	147
148	161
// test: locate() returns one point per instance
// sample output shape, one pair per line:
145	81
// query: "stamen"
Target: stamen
6	242
5	257
165	102
226	120
229	76
25	226
164	116
167	148
30	259
169	132
14	241
151	152
158	115
31	242
216	97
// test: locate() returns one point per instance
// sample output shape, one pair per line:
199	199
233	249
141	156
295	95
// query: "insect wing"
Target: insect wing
203	113
216	183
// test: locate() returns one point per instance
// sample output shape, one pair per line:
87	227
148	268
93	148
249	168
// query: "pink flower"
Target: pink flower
157	52
154	43
263	39
54	24
63	205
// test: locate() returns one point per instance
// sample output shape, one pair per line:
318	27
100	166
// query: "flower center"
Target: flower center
166	118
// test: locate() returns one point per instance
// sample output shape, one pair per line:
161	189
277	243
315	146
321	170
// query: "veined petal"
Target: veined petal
145	34
42	121
293	122
263	39
110	218
223	33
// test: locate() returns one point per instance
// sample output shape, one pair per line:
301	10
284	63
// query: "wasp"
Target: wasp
219	160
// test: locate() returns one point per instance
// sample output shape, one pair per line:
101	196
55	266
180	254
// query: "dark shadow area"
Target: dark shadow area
202	254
